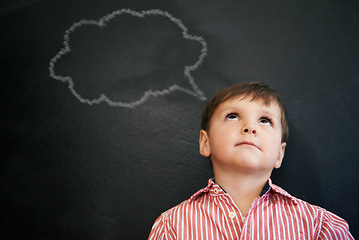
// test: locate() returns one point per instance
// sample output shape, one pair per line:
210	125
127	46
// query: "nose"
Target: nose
249	129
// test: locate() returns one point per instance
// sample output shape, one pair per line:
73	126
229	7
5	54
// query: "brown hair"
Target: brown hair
257	90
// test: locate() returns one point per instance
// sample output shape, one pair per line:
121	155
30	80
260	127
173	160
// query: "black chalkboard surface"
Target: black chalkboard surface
101	104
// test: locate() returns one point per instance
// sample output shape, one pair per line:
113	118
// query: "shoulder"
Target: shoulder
188	207
327	225
167	224
163	228
288	202
176	210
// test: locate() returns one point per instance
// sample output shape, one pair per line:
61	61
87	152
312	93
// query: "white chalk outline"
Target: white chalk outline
102	23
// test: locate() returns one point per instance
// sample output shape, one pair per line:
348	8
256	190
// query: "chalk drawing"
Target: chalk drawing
196	91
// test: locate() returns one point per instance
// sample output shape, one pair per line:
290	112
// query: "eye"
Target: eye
232	116
265	121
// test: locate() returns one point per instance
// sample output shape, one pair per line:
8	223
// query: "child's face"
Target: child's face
244	135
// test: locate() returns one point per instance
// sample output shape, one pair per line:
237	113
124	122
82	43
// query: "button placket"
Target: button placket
232	215
228	210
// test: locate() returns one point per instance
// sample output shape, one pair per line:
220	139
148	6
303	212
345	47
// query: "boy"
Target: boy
244	132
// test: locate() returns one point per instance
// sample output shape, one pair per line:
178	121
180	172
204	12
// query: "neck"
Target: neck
243	189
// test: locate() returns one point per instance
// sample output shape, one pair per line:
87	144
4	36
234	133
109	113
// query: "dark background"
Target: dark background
72	170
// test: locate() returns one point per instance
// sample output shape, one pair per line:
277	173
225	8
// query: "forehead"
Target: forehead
240	102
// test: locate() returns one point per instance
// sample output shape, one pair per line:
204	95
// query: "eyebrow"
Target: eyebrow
267	112
228	109
264	111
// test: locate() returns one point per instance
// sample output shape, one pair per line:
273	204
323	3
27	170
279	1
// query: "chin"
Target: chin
246	163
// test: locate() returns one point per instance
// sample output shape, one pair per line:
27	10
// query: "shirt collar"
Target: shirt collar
279	190
203	190
215	189
265	189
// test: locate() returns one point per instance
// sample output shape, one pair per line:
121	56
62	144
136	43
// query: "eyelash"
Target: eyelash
262	118
267	119
232	114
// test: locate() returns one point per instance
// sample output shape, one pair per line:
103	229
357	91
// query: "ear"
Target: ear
204	148
278	163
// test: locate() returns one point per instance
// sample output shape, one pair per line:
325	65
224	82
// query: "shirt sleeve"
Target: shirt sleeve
158	230
334	227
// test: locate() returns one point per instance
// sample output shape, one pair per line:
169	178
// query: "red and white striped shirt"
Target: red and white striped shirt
212	214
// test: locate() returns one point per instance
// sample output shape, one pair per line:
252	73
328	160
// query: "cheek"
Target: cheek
218	142
221	140
274	145
275	137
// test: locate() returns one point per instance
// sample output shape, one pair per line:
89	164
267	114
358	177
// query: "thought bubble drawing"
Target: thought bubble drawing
122	61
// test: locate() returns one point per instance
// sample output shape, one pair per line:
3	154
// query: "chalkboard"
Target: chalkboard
101	103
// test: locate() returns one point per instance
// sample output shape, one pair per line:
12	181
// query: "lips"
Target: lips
246	143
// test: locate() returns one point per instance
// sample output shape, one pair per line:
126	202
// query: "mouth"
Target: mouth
249	144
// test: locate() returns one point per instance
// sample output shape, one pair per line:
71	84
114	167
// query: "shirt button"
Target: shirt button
232	215
216	191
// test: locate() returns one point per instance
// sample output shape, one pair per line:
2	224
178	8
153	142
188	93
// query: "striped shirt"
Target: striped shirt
212	214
